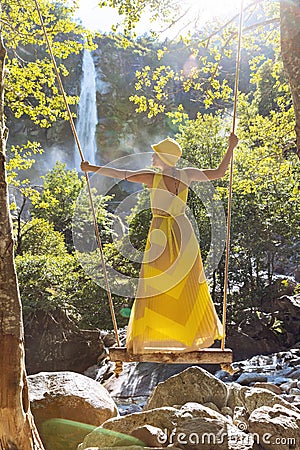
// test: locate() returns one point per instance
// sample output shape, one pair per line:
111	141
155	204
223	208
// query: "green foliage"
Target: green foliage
31	87
49	276
203	140
139	221
174	80
124	254
132	11
46	282
272	90
50	281
194	73
40	238
56	203
22	159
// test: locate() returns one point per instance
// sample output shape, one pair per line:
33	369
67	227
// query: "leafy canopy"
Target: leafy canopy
31	87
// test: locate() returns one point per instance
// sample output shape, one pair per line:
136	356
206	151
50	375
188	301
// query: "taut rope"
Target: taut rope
237	71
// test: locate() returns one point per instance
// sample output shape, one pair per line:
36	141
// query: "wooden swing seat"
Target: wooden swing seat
203	356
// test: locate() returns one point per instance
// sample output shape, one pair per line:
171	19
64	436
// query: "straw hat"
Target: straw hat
168	150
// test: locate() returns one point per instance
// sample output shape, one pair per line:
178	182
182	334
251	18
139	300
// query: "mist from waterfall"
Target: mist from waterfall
87	112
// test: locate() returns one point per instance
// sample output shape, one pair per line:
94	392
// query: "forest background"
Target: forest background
160	96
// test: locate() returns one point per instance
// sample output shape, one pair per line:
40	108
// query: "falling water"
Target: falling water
87	112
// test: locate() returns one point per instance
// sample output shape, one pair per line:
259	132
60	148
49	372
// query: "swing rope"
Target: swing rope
97	234
229	207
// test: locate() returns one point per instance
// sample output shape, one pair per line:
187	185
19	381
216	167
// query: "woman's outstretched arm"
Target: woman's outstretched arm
213	174
136	176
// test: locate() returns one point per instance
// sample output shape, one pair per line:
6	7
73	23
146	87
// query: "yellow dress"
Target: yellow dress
173	309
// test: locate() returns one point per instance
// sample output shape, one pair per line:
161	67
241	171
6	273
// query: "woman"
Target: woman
173	310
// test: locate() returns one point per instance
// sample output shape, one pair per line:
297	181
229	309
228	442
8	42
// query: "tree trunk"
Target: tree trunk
290	51
17	429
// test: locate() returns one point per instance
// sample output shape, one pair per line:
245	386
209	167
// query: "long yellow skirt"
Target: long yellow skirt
173	309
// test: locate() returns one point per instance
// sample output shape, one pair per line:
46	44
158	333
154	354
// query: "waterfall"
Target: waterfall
87	112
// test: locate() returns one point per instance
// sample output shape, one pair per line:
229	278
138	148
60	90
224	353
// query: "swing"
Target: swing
119	354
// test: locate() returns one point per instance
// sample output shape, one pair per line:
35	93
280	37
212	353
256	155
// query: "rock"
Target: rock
246	378
255	398
287	386
287	309
254	338
276	425
192	409
270	386
236	395
150	436
117	431
279	381
167	419
53	343
226	411
191	385
294	391
288	398
224	376
129	409
71	396
212	406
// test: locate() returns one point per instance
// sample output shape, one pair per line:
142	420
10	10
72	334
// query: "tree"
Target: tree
290	52
56	202
30	89
17	429
132	10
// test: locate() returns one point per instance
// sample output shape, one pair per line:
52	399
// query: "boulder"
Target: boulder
165	419
269	386
255	398
288	385
192	385
117	431
276	427
247	378
53	342
287	309
252	398
139	379
251	338
150	436
196	410
72	397
193	426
